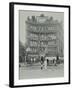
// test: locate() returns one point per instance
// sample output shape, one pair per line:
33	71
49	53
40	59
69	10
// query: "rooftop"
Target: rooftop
41	20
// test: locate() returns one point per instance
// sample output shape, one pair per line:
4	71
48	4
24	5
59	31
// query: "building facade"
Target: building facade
44	37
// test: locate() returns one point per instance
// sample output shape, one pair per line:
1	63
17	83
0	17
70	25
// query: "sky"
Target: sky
23	14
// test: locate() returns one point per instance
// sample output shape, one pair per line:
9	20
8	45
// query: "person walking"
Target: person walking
42	62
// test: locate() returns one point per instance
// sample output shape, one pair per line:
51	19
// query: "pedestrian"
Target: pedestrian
42	62
34	60
31	60
45	63
55	62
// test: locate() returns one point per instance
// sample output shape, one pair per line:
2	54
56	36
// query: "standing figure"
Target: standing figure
34	60
31	60
45	63
42	62
55	62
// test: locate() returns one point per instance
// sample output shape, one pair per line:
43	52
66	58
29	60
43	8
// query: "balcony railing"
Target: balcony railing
41	31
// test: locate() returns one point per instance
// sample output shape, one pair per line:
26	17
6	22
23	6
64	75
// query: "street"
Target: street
34	71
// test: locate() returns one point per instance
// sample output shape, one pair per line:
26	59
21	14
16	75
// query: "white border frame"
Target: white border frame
16	46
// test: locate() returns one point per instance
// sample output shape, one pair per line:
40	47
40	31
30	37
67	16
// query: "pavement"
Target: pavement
34	71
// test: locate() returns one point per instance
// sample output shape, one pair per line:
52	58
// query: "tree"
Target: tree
21	52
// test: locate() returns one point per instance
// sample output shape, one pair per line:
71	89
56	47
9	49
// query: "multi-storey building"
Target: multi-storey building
44	37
